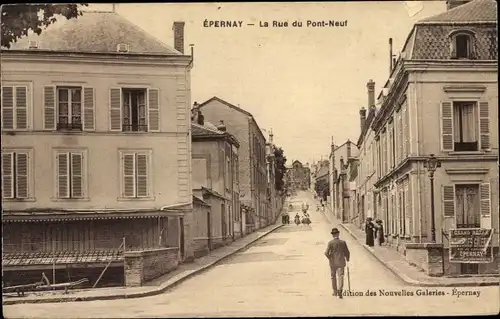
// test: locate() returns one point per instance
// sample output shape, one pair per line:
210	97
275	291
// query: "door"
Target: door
223	221
209	230
181	225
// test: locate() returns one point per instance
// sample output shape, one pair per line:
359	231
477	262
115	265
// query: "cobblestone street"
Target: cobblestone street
284	274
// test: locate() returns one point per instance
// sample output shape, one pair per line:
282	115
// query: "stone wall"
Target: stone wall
428	257
145	265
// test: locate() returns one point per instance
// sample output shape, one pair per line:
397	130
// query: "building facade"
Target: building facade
442	100
366	171
215	178
252	158
87	146
299	176
340	157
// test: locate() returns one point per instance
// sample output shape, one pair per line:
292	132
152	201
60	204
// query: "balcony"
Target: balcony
69	127
465	147
134	128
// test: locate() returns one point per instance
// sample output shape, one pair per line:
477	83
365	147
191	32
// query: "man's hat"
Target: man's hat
335	231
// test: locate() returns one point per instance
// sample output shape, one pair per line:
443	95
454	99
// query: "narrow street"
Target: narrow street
285	274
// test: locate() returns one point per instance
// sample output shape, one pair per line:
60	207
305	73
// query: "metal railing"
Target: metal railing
63	246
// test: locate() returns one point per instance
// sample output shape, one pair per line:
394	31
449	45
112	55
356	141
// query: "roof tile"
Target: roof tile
95	32
474	11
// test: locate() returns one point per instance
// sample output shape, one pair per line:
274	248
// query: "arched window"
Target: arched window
462	45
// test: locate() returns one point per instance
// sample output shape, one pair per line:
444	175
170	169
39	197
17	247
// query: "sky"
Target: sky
306	84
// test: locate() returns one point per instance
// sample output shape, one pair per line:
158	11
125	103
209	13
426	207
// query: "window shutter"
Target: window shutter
76	175
21	107
22	175
485	210
128	175
484	125
485	199
7	108
7	175
63	175
49	108
153	110
447	140
115	109
142	175
407	131
88	109
448	200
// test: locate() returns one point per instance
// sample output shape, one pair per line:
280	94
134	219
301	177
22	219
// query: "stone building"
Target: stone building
215	180
441	98
340	157
95	152
252	158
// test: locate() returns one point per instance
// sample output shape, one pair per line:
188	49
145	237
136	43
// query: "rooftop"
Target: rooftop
95	32
474	11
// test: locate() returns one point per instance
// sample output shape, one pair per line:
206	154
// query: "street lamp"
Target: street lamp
432	164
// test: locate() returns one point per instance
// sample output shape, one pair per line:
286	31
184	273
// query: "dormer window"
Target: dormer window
462	45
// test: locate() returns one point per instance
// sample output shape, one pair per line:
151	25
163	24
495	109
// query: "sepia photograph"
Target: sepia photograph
246	159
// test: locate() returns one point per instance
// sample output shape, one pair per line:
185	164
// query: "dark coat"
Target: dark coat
337	252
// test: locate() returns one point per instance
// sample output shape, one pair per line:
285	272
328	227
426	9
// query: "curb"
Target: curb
413	282
149	293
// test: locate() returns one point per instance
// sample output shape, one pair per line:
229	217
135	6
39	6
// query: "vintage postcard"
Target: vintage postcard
273	159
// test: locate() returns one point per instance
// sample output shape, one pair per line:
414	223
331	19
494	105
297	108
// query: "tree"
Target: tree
19	19
279	168
322	188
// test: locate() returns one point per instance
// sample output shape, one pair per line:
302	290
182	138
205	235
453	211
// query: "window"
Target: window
134	110
228	173
462	46
69	108
14	107
15	175
135	175
465	126
468	204
70	174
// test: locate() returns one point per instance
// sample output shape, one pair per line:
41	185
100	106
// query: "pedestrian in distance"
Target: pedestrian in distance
297	219
338	256
369	232
380	232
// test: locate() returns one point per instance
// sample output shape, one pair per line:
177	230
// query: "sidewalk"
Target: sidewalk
400	267
155	287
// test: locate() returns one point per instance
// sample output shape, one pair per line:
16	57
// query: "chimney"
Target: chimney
196	115
390	56
271	136
341	163
450	4
348	149
362	117
371	93
178	28
221	126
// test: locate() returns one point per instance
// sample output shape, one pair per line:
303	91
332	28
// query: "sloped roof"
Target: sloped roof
200	201
322	172
95	32
205	130
237	108
474	11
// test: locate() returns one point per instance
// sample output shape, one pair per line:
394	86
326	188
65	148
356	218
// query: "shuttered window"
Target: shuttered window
135	175
70	174
14	102
15	175
134	110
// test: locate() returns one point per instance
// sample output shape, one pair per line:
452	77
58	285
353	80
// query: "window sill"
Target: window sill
467	152
56	199
134	199
14	200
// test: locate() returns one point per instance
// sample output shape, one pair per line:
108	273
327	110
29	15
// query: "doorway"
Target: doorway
181	225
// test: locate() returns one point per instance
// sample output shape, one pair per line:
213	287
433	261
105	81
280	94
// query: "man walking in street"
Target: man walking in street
337	254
